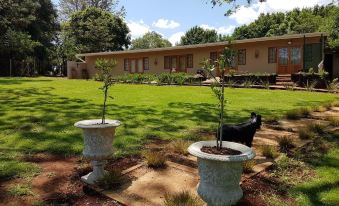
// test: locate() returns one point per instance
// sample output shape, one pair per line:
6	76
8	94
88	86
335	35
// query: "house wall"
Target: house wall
254	64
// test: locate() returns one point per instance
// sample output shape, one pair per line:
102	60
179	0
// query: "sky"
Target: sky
171	18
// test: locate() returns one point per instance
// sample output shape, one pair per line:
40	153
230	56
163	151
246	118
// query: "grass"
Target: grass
154	159
324	188
269	151
316	128
305	134
111	180
248	166
298	113
37	114
334	121
179	146
20	190
285	143
184	198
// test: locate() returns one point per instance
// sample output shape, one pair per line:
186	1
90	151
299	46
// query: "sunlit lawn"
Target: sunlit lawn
37	114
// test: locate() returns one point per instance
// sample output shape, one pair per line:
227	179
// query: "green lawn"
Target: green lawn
324	188
37	114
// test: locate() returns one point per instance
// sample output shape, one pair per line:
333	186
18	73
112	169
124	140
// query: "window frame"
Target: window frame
243	58
189	61
144	60
167	62
127	62
272	58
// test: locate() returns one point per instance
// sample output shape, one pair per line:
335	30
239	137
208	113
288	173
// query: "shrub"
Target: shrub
111	180
319	109
285	143
180	146
154	159
269	151
334	121
293	114
248	166
184	198
328	105
298	113
335	104
273	119
316	128
304	134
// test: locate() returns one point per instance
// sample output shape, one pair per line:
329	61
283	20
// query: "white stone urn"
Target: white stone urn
98	139
220	174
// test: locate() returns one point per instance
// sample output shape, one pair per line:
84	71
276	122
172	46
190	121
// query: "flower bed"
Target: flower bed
314	80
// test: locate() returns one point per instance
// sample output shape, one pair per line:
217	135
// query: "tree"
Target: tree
198	35
150	40
234	4
67	7
26	25
95	30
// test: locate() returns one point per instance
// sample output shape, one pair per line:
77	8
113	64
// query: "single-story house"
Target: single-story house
278	54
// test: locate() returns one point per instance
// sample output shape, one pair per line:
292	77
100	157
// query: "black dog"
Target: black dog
241	133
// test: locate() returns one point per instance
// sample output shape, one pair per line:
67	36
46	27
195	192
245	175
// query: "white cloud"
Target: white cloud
137	28
175	38
246	15
166	24
221	30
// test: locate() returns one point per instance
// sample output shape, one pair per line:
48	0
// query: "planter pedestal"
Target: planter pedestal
98	139
220	174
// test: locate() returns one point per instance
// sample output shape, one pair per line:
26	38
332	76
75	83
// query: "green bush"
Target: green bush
305	134
285	143
180	146
111	180
316	128
248	166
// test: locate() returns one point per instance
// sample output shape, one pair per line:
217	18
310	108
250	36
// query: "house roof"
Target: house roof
288	36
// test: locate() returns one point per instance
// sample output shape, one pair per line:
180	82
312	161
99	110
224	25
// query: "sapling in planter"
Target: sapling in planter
99	133
220	162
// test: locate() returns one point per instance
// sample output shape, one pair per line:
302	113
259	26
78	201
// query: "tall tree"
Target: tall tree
28	28
67	7
96	30
198	35
150	40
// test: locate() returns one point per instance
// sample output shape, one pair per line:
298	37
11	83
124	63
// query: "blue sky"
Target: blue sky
172	18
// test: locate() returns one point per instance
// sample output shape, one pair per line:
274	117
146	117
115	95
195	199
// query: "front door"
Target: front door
289	60
283	60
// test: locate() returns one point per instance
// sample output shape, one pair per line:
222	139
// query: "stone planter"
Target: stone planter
98	139
220	174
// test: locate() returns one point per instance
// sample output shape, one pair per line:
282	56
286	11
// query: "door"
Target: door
182	64
133	66
295	59
140	66
283	60
289	60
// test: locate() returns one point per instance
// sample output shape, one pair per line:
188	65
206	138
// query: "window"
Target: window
126	64
214	58
242	57
167	62
146	63
189	61
173	62
283	56
295	55
272	55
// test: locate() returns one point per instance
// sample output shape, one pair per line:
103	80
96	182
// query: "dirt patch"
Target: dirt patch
59	182
221	151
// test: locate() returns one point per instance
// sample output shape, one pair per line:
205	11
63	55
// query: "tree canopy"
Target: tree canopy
198	35
307	20
96	30
150	40
67	7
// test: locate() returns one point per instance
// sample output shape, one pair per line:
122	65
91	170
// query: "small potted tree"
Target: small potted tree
220	162
99	133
